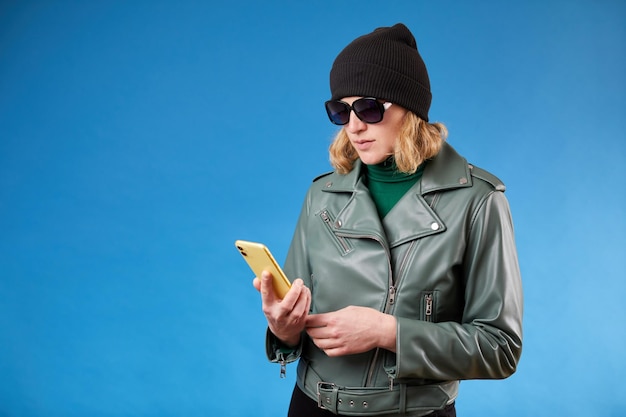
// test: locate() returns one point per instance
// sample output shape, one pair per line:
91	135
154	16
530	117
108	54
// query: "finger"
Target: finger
267	288
307	300
256	283
338	351
293	295
316	320
303	304
319	335
301	307
315	334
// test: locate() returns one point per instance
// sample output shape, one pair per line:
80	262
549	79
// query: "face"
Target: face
374	142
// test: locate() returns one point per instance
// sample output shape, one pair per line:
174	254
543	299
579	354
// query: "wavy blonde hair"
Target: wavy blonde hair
418	141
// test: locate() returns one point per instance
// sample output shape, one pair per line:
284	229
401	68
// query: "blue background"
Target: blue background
139	139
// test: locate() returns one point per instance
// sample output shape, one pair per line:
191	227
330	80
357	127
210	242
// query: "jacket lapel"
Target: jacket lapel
412	217
358	215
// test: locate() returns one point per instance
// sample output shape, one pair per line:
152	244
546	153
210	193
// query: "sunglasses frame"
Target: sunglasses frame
381	108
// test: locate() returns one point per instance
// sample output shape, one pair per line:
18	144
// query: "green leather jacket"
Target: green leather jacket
443	261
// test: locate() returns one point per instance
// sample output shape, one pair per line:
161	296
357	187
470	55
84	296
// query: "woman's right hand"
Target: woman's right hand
286	317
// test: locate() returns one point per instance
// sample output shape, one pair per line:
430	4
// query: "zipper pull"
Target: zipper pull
429	306
390	383
325	217
392	295
283	365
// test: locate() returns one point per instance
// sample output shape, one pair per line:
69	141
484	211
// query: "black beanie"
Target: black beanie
384	64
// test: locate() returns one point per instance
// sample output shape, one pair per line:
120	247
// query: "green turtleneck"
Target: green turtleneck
387	185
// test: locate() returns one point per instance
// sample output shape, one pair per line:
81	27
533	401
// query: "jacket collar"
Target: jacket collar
446	170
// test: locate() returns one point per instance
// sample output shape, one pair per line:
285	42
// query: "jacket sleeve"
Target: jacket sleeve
487	343
296	266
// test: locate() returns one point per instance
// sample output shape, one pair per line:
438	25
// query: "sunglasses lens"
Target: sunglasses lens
368	109
338	112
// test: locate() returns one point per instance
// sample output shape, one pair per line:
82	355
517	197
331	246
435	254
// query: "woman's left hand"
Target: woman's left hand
352	330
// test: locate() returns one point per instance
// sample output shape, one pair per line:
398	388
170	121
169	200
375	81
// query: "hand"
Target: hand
286	317
352	330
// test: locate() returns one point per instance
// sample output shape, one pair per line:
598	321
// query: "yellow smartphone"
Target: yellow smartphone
259	259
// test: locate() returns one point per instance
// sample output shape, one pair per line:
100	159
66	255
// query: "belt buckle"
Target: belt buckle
323	385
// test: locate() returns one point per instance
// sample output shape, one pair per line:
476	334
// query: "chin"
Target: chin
373	160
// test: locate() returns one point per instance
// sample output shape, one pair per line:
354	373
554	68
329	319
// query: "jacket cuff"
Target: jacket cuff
278	352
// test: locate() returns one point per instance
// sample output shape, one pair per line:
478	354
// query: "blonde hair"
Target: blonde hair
418	141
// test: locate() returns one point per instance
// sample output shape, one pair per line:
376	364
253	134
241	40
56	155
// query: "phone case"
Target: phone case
259	258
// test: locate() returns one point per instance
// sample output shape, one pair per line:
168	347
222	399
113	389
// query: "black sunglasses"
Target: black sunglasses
367	109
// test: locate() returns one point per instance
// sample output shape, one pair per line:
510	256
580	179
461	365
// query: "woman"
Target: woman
408	273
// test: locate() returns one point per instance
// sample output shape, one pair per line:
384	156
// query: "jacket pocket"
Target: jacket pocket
343	244
429	304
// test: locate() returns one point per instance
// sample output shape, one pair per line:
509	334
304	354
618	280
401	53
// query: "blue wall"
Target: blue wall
139	139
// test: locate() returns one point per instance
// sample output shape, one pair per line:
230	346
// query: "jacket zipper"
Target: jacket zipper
428	307
391	299
329	223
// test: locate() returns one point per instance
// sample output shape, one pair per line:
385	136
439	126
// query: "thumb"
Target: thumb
267	288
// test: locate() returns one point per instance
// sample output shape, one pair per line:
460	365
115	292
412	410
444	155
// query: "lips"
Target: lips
363	145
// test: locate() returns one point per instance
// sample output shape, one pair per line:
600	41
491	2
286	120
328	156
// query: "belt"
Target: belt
400	399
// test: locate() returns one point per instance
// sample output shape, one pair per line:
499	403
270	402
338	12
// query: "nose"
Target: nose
355	124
